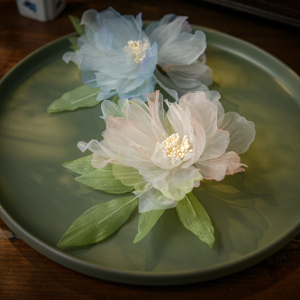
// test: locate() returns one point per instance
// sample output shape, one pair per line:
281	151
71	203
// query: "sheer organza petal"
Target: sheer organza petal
99	162
109	108
242	132
173	89
166	31
153	199
178	183
203	110
216	169
183	50
158	123
197	71
197	141
130	177
179	118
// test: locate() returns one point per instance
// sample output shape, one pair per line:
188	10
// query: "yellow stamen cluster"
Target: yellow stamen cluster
137	49
175	147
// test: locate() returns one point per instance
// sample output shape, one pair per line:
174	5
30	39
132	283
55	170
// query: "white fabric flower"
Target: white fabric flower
181	59
172	151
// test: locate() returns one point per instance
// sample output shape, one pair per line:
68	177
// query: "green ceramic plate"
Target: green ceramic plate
255	213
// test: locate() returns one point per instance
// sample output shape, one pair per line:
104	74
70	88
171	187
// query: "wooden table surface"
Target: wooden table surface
26	274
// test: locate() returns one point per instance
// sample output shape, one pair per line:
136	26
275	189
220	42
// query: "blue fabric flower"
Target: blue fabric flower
115	55
118	56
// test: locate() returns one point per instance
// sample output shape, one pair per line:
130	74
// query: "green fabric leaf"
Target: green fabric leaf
73	41
146	222
98	222
80	165
104	180
76	24
82	96
130	177
195	218
115	99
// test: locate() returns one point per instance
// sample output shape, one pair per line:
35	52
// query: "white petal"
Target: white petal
203	110
172	87
137	115
184	50
242	132
166	33
179	119
138	137
100	148
158	124
178	183
197	141
197	71
110	109
100	162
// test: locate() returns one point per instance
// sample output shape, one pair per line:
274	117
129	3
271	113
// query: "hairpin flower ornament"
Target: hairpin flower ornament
117	56
160	157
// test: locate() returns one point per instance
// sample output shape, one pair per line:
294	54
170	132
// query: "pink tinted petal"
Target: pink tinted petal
227	164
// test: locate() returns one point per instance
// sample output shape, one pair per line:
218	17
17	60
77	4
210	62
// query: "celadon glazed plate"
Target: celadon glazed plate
254	213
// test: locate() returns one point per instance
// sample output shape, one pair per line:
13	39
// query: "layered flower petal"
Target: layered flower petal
242	132
216	169
153	199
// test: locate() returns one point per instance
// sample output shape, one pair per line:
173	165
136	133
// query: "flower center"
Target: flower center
137	49
175	147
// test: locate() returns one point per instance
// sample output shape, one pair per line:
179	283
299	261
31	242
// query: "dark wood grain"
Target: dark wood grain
287	11
26	274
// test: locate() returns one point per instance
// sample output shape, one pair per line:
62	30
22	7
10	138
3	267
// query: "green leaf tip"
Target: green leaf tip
82	96
80	165
76	24
147	221
98	223
195	218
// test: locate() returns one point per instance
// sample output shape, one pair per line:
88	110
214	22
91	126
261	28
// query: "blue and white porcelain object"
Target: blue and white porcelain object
41	10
